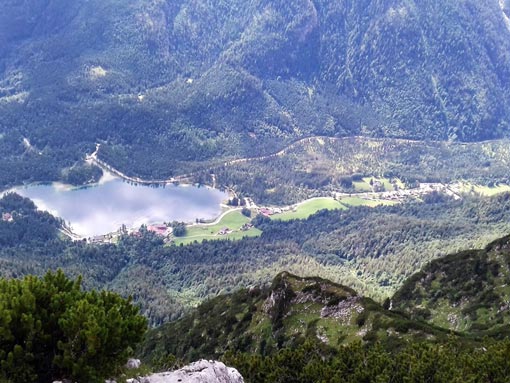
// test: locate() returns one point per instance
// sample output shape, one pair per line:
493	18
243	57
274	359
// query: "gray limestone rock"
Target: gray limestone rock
202	371
133	363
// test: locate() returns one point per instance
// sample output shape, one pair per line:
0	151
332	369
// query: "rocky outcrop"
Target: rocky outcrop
133	364
344	310
202	371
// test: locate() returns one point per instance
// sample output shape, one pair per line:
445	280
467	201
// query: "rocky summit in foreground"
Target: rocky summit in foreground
202	371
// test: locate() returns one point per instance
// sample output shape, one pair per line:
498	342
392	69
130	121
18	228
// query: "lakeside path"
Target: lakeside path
93	158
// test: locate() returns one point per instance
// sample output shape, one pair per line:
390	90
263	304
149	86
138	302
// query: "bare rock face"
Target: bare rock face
202	371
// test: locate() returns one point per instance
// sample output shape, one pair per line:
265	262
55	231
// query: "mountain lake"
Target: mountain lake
104	207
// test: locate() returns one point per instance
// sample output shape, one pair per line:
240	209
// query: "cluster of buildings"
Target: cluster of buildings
225	231
160	230
269	211
247	226
401	195
106	238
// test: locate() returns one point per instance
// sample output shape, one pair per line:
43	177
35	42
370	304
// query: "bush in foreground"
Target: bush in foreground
51	329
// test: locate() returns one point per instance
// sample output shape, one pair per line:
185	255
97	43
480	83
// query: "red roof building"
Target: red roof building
265	211
161	230
7	217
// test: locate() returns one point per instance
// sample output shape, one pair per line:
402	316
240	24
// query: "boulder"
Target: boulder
202	371
133	363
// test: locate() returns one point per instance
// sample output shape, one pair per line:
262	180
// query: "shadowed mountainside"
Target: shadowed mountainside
164	84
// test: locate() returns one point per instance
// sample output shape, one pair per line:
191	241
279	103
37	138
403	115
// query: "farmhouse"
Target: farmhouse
7	217
265	211
224	231
160	230
99	239
246	226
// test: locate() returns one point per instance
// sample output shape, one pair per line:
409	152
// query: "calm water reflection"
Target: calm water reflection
105	207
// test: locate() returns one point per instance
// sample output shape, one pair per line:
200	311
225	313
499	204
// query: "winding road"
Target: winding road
93	158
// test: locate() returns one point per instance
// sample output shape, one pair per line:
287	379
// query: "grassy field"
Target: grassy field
330	163
233	220
487	191
357	201
362	186
307	208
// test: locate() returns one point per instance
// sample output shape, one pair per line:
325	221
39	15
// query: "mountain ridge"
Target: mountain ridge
295	310
292	311
465	292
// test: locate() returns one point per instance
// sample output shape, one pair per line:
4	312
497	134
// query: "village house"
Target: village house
224	231
266	212
161	230
246	226
7	217
99	239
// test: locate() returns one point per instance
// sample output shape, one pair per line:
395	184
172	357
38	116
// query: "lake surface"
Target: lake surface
103	208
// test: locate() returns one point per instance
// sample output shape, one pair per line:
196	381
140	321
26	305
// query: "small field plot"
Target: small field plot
307	208
361	186
358	201
487	191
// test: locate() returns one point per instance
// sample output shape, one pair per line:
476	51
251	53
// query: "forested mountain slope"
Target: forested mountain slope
293	310
461	297
468	291
174	82
375	344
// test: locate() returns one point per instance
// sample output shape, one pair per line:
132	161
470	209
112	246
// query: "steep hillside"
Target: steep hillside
291	311
21	224
169	84
468	291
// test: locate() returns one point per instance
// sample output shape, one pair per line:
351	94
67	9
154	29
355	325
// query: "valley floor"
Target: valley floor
368	191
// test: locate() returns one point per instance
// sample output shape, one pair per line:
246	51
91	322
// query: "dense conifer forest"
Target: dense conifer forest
168	85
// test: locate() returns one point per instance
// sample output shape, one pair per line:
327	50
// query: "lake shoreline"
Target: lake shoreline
115	202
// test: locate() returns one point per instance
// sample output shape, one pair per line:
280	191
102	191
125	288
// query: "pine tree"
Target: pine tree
51	329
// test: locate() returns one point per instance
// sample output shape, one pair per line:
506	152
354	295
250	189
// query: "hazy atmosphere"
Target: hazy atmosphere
254	191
